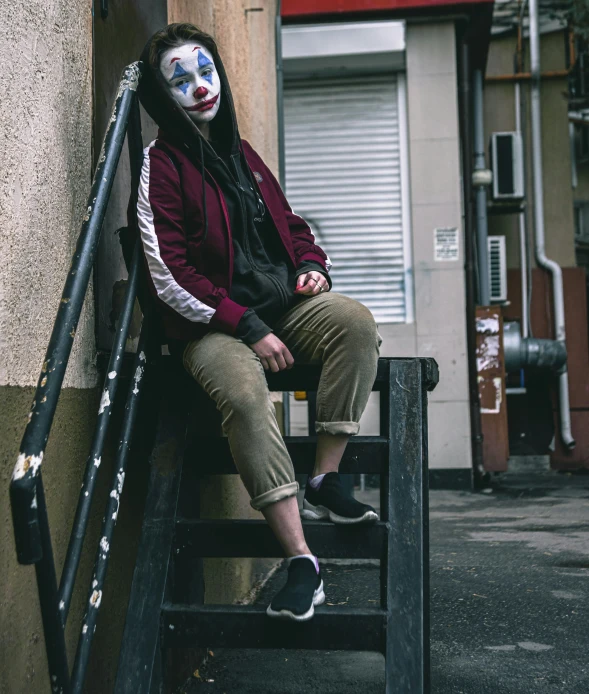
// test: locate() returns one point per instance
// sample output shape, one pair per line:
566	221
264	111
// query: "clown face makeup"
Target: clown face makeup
193	81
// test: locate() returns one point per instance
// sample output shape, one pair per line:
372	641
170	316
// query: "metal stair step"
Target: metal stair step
248	626
253	538
364	454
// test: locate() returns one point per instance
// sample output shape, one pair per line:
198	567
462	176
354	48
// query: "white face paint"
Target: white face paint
193	80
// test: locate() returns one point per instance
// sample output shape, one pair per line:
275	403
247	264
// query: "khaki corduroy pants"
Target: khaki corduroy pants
328	329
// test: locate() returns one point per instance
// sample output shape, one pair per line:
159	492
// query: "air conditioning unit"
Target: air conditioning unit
497	268
508	166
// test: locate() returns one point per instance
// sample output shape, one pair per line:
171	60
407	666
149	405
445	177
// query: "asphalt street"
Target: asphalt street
510	592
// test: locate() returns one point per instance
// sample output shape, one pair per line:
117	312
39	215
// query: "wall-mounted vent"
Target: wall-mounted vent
497	269
507	164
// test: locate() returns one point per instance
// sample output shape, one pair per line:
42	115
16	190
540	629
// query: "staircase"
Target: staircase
166	607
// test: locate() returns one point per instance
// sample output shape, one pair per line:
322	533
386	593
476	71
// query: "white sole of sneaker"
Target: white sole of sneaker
311	512
318	599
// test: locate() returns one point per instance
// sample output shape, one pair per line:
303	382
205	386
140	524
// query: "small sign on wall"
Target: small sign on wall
445	244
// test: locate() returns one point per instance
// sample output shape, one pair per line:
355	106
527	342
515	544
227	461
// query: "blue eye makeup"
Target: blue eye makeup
179	71
183	84
203	61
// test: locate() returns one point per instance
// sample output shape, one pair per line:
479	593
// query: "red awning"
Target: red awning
305	8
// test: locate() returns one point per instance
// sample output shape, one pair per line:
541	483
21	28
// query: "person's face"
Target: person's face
193	80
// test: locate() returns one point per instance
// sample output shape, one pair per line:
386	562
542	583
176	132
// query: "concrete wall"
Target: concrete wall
45	165
499	114
436	201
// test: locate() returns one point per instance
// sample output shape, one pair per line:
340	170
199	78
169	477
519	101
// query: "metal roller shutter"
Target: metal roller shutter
343	175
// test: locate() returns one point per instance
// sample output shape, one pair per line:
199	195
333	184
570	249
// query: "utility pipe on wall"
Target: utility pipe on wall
465	112
481	179
523	242
539	234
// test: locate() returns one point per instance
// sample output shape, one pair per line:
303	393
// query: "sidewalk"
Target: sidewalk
510	592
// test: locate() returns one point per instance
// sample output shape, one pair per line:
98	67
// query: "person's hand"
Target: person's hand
311	283
273	353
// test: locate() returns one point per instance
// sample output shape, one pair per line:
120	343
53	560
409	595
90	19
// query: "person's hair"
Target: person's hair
175	35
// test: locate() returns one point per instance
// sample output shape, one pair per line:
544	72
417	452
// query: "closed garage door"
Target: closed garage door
343	175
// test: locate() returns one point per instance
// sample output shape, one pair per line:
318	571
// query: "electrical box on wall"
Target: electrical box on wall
508	166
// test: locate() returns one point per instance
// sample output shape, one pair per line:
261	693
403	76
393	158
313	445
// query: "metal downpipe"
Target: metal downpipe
465	113
539	233
480	181
523	237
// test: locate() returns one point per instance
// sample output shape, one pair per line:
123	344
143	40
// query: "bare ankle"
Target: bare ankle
298	551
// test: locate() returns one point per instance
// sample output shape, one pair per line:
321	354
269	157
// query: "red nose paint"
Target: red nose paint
200	92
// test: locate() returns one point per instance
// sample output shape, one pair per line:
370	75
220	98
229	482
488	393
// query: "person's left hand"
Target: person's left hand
311	283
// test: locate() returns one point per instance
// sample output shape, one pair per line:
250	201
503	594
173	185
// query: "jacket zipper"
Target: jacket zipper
279	287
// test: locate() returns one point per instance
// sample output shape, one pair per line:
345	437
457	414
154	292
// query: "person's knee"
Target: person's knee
247	397
361	330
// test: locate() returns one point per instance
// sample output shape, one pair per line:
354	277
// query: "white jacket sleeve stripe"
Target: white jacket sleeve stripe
168	290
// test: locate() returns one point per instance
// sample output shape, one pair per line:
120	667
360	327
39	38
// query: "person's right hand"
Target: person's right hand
273	353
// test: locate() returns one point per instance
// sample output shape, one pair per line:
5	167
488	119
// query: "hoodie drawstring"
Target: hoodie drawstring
204	190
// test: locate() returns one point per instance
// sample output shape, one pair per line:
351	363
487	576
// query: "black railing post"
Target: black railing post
406	586
47	585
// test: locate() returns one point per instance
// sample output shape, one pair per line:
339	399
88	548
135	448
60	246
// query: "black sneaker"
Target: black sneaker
302	592
331	502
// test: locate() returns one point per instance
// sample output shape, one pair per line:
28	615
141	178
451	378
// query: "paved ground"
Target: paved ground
510	592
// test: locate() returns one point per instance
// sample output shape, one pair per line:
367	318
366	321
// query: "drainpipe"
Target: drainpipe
523	238
481	179
539	236
464	103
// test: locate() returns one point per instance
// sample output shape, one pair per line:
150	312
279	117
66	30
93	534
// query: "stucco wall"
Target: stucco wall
45	121
499	114
45	169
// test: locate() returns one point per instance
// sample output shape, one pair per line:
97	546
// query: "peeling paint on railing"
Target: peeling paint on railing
104	401
137	377
26	463
110	517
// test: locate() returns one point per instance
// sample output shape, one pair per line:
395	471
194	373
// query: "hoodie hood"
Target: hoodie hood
175	122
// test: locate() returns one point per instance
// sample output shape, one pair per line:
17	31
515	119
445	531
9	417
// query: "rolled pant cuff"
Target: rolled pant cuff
349	428
273	495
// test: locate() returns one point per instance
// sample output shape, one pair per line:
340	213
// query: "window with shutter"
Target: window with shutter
343	175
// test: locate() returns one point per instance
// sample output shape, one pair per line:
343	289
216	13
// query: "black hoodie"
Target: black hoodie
263	277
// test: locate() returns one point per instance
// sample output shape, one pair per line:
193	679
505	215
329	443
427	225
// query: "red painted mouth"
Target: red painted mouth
203	105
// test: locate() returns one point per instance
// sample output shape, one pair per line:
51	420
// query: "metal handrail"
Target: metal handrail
29	512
